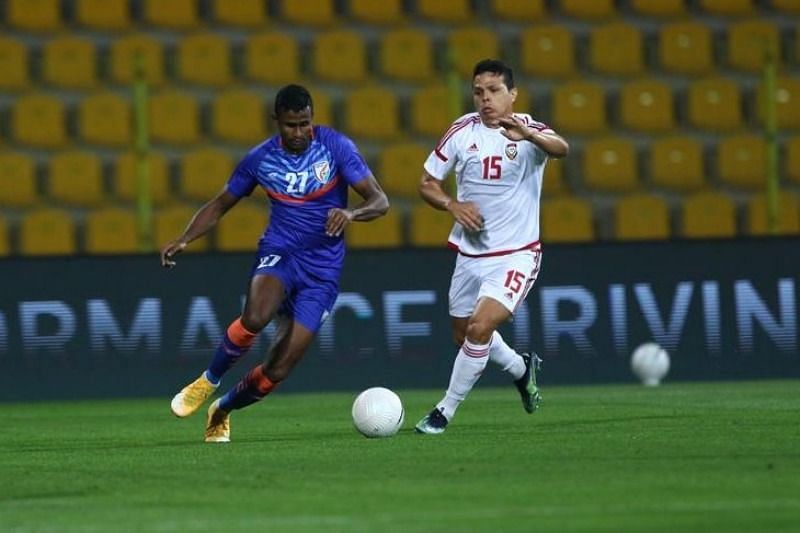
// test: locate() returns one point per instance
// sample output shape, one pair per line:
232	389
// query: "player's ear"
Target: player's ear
513	93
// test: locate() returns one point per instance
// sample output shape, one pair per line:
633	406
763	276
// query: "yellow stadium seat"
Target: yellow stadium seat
659	8
748	43
340	56
34	15
430	111
553	180
174	118
47	231
579	107
548	50
406	54
76	178
647	105
310	12
791	167
708	215
685	47
175	14
371	12
204	59
467	46
727	7
5	241
323	107
715	104
238	116
616	49
383	232
588	9
240	228
124	53
567	219
240	13
741	161
787	102
39	120
400	168
449	11
519	10
105	119
17	180
788	222
429	226
126	178
111	230
522	103
271	58
787	6
169	223
13	65
641	217
111	15
204	172
371	112
677	163
609	164
69	62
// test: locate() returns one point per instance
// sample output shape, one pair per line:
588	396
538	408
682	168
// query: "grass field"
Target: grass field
681	457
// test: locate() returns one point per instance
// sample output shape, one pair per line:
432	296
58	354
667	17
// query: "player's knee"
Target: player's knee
458	338
276	373
479	331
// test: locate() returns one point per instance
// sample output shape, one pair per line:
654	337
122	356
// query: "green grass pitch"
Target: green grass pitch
680	457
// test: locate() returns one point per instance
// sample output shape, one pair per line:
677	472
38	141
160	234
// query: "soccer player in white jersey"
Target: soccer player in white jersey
498	157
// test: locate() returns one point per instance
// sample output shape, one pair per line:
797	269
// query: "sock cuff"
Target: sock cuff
260	380
473	349
239	335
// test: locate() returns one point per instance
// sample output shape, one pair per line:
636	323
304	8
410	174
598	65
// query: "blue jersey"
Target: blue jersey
302	189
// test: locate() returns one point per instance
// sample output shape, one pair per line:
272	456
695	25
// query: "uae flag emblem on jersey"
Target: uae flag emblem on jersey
322	171
511	151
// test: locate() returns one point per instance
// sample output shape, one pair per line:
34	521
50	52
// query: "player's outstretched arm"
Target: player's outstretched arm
548	140
465	213
375	205
203	220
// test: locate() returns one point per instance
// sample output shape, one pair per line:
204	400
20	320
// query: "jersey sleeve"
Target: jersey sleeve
442	159
244	178
352	166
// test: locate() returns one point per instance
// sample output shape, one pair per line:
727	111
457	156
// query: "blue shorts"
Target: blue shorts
309	294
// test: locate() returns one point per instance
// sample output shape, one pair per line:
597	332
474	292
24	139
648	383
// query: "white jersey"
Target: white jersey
502	177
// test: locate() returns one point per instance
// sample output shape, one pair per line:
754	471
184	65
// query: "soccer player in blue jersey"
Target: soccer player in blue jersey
306	171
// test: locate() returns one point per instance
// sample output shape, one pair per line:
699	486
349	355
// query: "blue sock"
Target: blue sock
226	355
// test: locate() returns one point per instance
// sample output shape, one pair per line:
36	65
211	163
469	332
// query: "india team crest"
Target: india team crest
322	171
511	151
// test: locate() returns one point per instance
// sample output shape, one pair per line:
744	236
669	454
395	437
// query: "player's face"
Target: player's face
295	129
492	98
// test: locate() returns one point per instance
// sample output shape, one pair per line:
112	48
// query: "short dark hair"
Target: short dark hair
495	66
293	98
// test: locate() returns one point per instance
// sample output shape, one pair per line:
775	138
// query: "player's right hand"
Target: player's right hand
169	251
466	214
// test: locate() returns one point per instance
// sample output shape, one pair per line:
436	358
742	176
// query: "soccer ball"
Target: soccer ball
378	412
650	363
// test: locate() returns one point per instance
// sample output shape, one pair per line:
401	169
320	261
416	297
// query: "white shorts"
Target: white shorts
505	278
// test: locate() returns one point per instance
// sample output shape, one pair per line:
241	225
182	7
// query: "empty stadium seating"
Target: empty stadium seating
169	223
34	15
371	12
609	164
174	118
429	226
707	215
39	120
108	15
579	107
204	59
111	230
241	13
616	49
105	119
407	54
175	14
76	178
547	50
340	56
239	116
126	177
203	173
519	10
400	169
17	180
372	112
685	47
567	219
271	57
715	104
787	222
741	161
14	65
240	228
383	232
677	163
47	231
642	217
647	105
70	62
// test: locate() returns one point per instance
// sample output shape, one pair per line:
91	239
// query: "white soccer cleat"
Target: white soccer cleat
218	424
192	396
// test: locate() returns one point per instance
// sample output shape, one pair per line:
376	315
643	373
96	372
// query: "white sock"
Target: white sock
503	355
467	368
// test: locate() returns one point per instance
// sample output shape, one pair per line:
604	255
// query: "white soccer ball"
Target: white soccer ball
378	412
650	363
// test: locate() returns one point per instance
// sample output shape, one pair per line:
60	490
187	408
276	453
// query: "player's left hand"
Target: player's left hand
337	219
513	128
